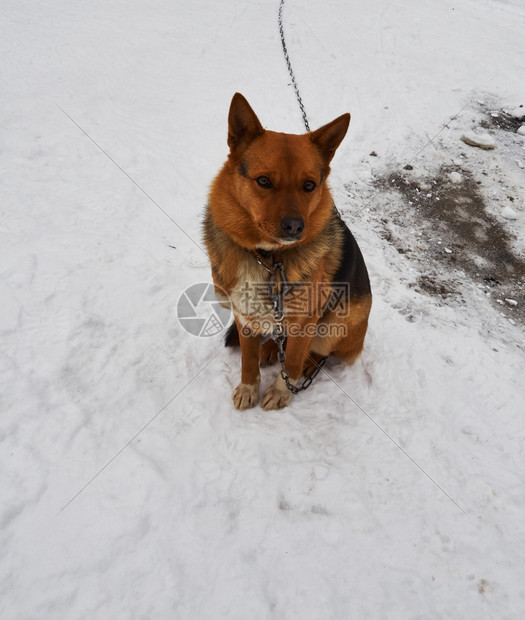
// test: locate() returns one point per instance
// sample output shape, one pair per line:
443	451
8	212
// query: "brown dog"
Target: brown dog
271	203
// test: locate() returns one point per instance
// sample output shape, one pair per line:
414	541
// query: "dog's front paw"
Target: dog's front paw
245	396
276	396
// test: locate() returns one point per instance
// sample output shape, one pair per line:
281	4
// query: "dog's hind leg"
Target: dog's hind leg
231	338
311	362
268	353
349	348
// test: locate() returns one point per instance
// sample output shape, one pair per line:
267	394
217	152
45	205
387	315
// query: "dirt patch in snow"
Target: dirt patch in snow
501	119
455	237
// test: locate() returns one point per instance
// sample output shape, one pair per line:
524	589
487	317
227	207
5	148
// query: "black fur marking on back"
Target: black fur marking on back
352	267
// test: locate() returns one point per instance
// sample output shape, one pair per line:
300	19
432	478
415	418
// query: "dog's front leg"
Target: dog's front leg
278	395
246	394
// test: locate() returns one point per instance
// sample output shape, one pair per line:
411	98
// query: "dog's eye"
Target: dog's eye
309	186
264	182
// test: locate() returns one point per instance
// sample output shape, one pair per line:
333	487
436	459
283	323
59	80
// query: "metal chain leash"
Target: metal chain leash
292	76
276	294
290	70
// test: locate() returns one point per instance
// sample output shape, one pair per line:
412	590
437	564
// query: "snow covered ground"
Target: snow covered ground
129	486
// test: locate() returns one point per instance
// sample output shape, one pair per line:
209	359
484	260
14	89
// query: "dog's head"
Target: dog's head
279	178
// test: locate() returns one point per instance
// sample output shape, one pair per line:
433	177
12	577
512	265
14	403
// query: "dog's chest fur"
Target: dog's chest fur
249	297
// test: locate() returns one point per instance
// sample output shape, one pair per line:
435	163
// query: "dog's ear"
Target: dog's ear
329	137
243	124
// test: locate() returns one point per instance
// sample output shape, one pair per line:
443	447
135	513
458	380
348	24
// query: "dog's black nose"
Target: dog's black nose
292	226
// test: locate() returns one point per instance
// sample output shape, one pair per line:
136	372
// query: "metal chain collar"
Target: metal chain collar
276	294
